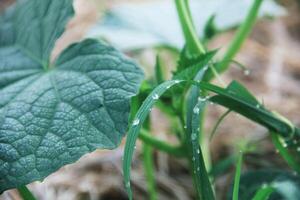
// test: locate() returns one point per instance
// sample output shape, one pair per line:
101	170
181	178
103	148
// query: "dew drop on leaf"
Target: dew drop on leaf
136	122
284	145
201	99
194	136
155	96
196	110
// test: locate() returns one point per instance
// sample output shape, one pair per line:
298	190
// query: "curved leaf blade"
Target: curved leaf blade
136	126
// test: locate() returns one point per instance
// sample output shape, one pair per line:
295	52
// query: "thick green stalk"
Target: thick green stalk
193	43
25	193
240	37
177	151
149	171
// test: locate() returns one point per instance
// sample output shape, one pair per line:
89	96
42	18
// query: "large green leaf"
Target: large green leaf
52	114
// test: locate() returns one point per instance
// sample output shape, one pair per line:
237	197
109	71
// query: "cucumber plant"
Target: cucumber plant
53	112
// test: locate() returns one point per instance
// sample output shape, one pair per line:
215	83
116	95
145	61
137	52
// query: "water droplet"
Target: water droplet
193	158
155	96
198	151
298	149
127	184
136	122
284	145
169	86
201	99
257	105
184	127
246	72
198	169
194	136
177	81
196	110
135	147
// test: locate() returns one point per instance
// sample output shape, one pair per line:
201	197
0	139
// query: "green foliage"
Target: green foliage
236	184
53	113
196	102
263	193
285	185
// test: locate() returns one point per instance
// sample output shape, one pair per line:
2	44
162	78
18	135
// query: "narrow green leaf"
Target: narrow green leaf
210	29
26	193
214	130
283	150
246	107
237	177
201	178
196	104
135	127
149	171
263	193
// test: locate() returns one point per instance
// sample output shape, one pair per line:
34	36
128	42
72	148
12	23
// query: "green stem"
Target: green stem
240	36
192	41
284	153
237	177
25	193
149	171
178	151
